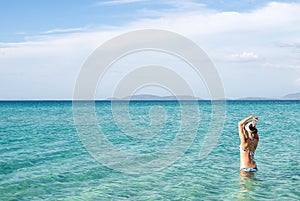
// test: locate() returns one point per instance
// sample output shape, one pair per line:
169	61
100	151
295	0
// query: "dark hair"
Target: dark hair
253	129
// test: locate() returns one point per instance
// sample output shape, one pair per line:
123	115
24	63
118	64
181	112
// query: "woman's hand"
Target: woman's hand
255	118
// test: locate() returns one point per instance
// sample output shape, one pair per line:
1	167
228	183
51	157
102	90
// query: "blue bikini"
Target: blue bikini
249	169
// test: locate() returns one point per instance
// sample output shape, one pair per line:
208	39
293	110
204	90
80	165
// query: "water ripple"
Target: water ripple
42	158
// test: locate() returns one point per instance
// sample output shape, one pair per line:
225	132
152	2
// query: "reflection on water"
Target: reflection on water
248	184
245	175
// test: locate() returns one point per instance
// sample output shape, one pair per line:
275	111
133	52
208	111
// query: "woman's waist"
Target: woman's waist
247	163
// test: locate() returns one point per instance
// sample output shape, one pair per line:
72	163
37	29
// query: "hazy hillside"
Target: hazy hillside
153	97
294	96
256	98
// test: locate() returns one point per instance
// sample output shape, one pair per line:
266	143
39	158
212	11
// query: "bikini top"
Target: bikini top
247	149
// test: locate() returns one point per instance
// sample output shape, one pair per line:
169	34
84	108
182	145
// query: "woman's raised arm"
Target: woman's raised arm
241	125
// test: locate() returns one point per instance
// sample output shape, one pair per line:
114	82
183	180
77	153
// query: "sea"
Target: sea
146	150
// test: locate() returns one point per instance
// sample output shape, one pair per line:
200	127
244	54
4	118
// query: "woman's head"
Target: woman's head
250	127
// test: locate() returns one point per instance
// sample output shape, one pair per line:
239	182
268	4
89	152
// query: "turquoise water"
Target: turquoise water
43	158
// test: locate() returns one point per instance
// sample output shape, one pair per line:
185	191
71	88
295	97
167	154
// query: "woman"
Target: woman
249	140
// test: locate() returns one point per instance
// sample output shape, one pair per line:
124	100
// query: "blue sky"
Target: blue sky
44	43
33	17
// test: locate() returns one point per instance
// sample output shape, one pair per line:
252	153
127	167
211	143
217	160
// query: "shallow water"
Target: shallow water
43	158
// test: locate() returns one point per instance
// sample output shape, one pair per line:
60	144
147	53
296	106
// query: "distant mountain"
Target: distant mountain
256	98
153	97
294	96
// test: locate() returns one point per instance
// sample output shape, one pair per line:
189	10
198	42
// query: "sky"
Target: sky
254	44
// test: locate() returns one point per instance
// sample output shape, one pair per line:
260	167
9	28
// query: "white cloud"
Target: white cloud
281	66
66	30
117	2
291	44
49	60
245	56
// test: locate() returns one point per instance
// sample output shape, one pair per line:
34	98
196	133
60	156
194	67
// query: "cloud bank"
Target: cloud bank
262	43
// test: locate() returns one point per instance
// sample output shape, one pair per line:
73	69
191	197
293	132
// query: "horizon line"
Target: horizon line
122	100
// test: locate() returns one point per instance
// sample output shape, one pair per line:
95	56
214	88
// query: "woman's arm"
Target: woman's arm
241	132
241	125
247	119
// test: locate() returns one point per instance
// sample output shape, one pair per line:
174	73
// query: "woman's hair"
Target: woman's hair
254	131
250	128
